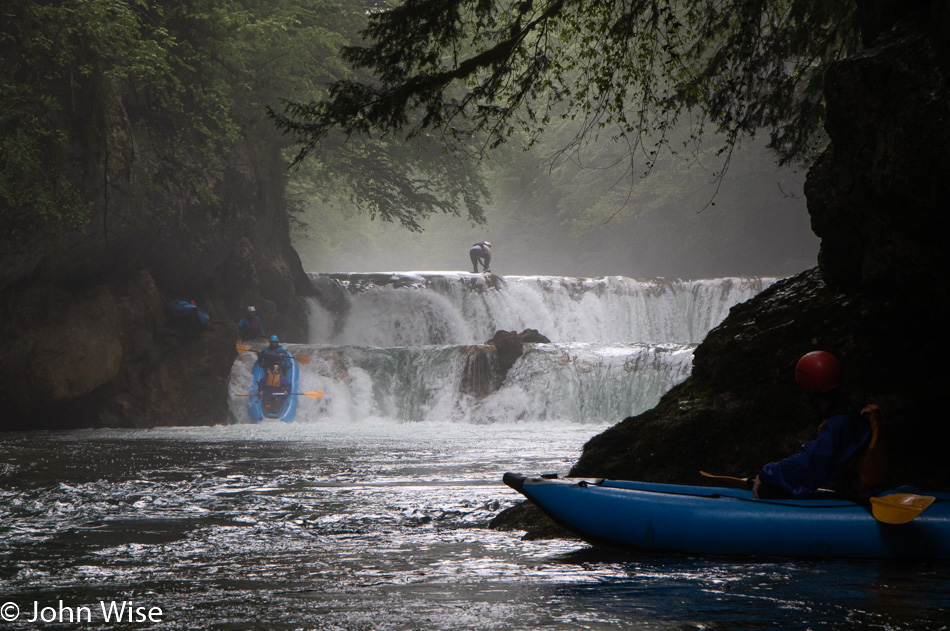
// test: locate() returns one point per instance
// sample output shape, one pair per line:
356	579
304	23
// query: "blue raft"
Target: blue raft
281	407
721	521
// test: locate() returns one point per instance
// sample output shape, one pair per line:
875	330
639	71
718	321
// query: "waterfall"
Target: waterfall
410	346
414	309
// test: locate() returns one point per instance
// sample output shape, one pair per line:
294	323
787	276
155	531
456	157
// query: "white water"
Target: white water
353	517
422	308
397	346
573	382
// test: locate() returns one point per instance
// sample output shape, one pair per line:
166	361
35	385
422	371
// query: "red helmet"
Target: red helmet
819	371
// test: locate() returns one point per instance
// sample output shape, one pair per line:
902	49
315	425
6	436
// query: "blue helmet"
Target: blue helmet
273	338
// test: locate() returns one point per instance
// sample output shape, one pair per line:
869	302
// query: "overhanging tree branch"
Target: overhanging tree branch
633	65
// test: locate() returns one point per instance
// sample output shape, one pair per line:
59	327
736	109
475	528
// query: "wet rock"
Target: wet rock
509	346
480	375
508	349
875	196
487	364
63	346
528	517
107	356
85	339
531	336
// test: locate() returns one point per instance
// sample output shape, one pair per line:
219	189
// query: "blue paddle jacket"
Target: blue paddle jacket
269	356
251	327
820	461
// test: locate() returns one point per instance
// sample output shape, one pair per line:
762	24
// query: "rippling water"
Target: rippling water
375	526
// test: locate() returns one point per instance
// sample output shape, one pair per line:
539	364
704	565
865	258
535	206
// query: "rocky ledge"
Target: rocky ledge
488	364
83	326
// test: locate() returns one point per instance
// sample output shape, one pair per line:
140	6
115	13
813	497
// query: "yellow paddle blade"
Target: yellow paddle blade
241	348
313	394
899	508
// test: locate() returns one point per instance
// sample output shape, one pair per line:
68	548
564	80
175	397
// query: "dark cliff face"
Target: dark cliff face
86	337
878	198
740	408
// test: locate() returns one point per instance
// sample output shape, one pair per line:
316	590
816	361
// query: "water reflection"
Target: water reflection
379	528
689	592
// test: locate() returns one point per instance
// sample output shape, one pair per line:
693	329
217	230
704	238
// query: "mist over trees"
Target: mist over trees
107	107
650	75
588	217
591	220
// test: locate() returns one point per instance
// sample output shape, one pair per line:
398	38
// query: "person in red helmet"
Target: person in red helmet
839	458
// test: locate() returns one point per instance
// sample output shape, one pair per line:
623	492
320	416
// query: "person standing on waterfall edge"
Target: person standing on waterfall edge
480	252
849	454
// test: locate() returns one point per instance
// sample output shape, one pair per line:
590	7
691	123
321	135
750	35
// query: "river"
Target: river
370	510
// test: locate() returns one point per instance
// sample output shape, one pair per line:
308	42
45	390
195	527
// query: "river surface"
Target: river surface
370	510
373	525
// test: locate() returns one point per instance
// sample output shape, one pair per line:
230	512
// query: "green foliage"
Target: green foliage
145	99
627	68
384	178
57	61
404	183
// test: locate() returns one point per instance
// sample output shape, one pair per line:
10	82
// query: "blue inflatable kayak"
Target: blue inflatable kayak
721	521
274	406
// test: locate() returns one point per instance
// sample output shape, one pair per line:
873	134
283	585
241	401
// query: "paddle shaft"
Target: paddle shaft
897	508
312	394
730	481
300	359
